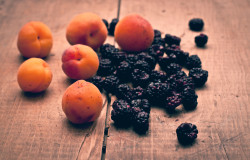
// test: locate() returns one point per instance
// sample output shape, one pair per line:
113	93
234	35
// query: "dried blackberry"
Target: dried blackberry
166	61
189	98
186	133
196	24
170	39
173	101
141	122
106	23
193	61
143	65
123	71
140	78
156	50
137	93
157	76
141	103
201	40
199	76
121	113
172	68
112	26
110	83
97	81
105	67
147	58
123	92
157	33
117	57
157	92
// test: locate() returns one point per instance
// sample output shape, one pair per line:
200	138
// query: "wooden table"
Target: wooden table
33	126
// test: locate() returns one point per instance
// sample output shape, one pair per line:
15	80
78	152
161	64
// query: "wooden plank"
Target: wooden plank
222	115
34	126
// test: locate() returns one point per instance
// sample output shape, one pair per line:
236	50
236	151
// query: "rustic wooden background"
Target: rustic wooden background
33	126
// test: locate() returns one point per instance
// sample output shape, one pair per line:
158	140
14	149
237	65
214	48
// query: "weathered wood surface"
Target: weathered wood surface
34	126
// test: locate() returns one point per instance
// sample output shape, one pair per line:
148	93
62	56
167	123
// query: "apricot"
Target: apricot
88	29
35	40
80	62
82	102
134	33
34	75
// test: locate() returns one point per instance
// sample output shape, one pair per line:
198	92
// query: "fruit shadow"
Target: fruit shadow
21	58
34	96
78	127
129	128
185	145
70	81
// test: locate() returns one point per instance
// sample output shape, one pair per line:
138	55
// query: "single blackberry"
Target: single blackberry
112	26
172	68
143	65
199	76
172	49
141	103
186	133
170	39
181	57
156	50
159	41
110	83
121	113
157	33
106	23
131	59
157	92
193	61
189	98
140	78
184	82
138	93
141	122
173	101
107	49
123	92
105	67
117	57
157	76
201	40
147	58
123	71
196	24
166	61
97	81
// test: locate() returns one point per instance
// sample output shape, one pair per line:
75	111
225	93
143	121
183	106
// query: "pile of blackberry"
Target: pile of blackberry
137	85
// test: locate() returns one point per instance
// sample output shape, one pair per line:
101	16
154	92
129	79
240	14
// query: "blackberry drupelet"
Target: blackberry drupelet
110	83
140	78
121	113
157	76
173	101
105	67
196	24
138	93
186	133
199	76
141	122
193	61
201	40
170	39
141	103
112	26
189	98
143	65
157	33
106	23
123	71
172	68
97	81
123	92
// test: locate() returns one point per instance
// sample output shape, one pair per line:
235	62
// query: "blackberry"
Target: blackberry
170	39
172	68
156	50
157	33
199	76
123	92
196	24
157	76
97	81
172	49
123	71
141	122
117	57
147	58
105	67
106	23
189	98
121	113
110	83
112	26
143	104
143	65
201	40
186	133
181	57
159	41
166	61
107	49
157	92
140	78
137	93
131	59
193	62
173	101
184	82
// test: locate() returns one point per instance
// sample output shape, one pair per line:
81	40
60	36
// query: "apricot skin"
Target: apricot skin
134	33
35	40
82	102
80	62
34	75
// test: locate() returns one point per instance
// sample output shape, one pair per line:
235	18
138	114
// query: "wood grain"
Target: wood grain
222	115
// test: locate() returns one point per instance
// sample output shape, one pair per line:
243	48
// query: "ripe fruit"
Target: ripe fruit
134	33
88	29
80	62
34	75
35	40
82	102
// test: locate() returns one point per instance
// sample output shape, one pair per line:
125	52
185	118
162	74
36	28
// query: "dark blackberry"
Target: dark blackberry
186	133
123	92
141	103
193	61
156	50
123	71
143	65
138	93
172	68
105	67
106	23
189	98
117	57
107	49
184	82
157	92
172	49
196	24
199	76
181	57
173	101
141	122
201	40
97	81
110	83
112	26
170	39
121	113
147	58
140	78
166	61
157	76
157	33
131	59
159	41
